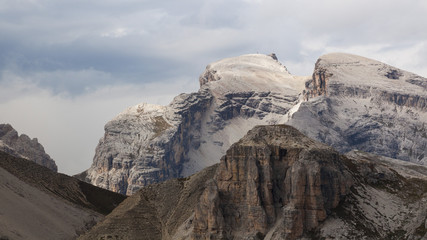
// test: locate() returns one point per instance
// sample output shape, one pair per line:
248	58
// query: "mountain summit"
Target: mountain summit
350	102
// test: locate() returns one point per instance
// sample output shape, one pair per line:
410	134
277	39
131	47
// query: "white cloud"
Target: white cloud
117	33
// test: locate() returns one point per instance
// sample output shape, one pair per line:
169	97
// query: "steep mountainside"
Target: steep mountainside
148	143
24	147
158	211
350	102
387	201
37	203
358	103
275	183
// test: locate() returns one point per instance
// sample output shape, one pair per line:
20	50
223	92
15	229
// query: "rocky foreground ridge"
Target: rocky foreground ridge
349	102
24	147
37	203
275	183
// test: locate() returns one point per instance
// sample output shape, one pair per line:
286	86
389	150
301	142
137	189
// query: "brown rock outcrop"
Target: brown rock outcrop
318	85
274	183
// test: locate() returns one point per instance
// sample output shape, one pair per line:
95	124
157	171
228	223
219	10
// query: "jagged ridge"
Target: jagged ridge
24	147
37	203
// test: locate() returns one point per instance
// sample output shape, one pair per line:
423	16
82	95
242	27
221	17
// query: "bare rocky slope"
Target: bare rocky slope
24	147
275	183
158	211
37	203
349	102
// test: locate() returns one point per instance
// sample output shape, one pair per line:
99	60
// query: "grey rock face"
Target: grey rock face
24	147
147	143
358	103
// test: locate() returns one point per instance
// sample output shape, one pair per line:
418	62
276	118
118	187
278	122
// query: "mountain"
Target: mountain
24	147
276	183
203	167
147	143
37	203
349	102
358	103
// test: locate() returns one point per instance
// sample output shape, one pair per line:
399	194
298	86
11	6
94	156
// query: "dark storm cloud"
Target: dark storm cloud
131	41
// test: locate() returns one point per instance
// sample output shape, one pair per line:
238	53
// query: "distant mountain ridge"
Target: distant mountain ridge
350	102
24	147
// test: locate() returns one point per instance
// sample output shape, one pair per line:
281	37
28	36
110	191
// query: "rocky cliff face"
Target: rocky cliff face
358	103
147	143
24	147
275	183
349	102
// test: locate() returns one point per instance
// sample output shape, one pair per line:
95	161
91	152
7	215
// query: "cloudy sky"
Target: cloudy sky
69	66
